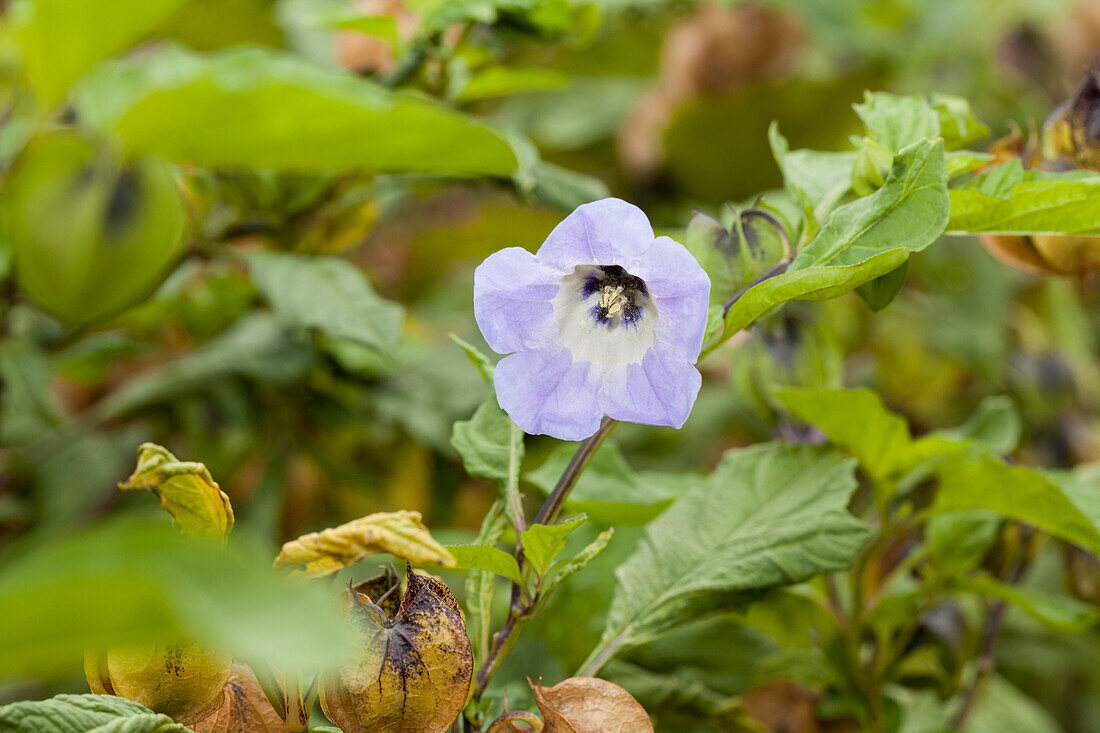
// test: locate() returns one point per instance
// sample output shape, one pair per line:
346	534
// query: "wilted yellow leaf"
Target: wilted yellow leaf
186	491
244	708
401	534
589	705
412	673
183	681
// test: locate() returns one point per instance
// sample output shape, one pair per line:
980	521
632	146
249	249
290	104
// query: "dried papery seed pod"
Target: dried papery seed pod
244	708
1070	140
183	681
413	670
589	705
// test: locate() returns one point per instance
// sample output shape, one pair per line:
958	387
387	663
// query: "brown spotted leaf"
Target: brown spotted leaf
590	705
401	534
412	672
186	491
244	708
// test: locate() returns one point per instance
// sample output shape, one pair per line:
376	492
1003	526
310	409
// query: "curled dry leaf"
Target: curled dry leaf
590	705
413	670
244	708
186	491
401	534
183	681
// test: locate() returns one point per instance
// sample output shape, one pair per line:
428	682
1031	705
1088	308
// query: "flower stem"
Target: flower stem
551	508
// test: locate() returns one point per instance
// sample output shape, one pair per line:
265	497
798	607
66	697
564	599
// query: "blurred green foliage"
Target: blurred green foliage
245	229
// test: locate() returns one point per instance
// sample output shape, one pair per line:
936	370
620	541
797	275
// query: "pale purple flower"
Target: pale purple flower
605	319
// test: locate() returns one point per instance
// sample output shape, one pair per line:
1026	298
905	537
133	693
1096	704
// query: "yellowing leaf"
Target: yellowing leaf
412	672
401	534
186	491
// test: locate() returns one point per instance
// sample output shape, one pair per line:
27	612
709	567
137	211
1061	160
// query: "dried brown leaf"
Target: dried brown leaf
413	671
401	534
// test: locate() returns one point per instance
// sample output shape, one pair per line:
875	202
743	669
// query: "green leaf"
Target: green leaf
1064	205
881	291
958	541
1068	511
84	714
958	124
909	211
769	515
822	179
500	81
1002	707
564	189
542	543
609	490
481	585
897	122
857	421
328	294
996	425
130	582
86	32
477	357
257	108
28	409
486	442
813	283
1057	612
485	557
255	347
568	568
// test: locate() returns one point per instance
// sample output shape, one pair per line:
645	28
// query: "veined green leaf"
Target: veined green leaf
84	714
813	283
485	557
897	122
328	294
909	211
1068	511
1065	205
769	515
487	444
542	543
265	109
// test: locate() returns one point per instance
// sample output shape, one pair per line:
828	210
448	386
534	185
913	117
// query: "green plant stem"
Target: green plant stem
554	503
520	611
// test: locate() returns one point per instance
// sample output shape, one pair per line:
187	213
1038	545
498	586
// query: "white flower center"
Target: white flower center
605	316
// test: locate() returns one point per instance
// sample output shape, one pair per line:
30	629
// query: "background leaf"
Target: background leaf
266	109
130	582
328	294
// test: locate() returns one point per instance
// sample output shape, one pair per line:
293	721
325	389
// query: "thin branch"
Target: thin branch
987	660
